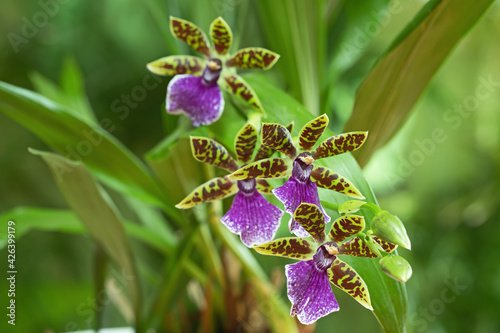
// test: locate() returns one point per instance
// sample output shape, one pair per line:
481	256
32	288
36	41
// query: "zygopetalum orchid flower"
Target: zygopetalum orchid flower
251	216
308	281
195	88
304	178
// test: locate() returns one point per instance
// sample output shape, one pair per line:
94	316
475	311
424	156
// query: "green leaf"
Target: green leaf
96	211
388	297
277	137
392	88
288	247
310	217
70	93
110	161
346	226
222	36
177	64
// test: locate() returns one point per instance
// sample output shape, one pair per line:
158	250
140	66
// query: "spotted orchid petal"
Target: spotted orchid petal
245	142
202	103
190	34
252	217
309	290
346	278
296	190
357	248
264	187
386	246
339	144
331	180
214	189
222	36
263	153
208	151
288	247
235	85
277	137
311	218
345	227
253	57
290	127
174	65
267	168
312	131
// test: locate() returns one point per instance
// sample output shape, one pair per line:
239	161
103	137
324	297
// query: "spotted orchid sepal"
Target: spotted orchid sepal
251	216
195	90
309	281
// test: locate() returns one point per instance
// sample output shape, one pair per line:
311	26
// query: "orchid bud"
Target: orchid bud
396	267
390	229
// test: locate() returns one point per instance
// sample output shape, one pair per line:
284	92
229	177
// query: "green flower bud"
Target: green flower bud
390	229
396	267
351	206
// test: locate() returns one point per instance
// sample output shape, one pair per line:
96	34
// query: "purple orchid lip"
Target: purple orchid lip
323	258
247	186
302	167
212	72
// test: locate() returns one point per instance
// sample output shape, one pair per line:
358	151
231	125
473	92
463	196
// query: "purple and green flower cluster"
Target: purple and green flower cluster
195	91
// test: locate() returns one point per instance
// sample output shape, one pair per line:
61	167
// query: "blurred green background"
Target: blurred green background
439	173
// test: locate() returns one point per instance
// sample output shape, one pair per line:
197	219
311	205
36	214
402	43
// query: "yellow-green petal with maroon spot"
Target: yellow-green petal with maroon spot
222	36
357	248
347	279
253	57
245	141
310	217
311	132
267	168
346	226
277	137
211	152
386	246
290	127
288	247
215	189
235	85
331	180
173	65
190	34
339	144
263	186
263	152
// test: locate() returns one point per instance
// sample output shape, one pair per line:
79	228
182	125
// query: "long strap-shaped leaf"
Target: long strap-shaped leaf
392	88
72	137
95	210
